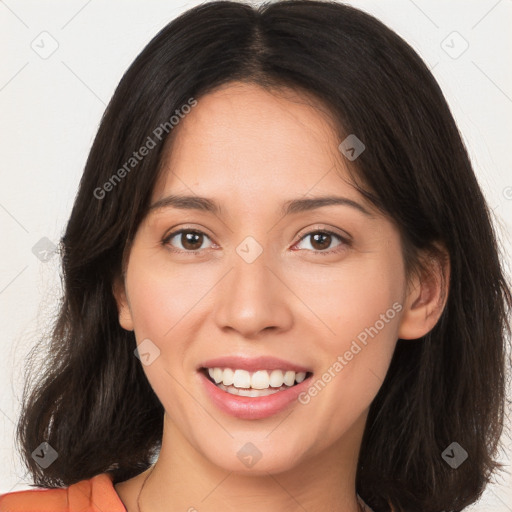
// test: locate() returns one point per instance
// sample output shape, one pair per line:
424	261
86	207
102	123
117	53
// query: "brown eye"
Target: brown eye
322	240
188	240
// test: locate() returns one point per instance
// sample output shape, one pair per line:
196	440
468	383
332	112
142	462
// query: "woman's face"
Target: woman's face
319	288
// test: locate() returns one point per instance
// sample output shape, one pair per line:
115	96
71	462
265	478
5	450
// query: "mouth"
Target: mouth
255	384
253	389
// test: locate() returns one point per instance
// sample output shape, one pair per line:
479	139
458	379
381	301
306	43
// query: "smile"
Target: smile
253	388
254	384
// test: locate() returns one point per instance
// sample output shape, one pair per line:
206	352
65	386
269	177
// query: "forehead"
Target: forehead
245	141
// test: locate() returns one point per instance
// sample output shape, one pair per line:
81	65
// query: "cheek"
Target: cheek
353	298
151	303
162	296
168	304
164	303
362	308
364	302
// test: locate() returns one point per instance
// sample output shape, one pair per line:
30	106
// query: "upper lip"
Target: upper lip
252	364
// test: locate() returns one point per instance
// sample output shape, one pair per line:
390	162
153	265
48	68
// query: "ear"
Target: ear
426	295
123	306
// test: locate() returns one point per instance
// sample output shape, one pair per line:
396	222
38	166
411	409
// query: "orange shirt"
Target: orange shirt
93	495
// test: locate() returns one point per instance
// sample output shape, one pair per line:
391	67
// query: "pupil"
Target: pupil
321	235
189	237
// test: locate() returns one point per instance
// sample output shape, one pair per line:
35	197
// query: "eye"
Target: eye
322	239
190	240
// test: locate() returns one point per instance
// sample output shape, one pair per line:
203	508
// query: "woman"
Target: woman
282	282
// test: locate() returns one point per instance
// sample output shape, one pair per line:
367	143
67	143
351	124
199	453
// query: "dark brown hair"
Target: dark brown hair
92	402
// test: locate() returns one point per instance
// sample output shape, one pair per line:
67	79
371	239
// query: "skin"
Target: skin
250	150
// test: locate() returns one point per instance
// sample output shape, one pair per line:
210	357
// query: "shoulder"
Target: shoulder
89	495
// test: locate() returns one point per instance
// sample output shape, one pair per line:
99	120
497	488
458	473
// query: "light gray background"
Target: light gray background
51	106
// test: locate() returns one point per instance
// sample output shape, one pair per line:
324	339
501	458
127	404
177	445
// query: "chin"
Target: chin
252	457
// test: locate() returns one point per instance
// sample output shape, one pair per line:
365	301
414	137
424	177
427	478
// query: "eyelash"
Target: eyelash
344	241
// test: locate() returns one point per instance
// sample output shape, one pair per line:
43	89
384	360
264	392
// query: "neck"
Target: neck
183	479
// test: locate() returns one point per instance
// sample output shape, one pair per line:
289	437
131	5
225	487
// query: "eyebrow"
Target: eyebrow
290	207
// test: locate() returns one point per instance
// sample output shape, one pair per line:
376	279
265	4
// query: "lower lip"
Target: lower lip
252	408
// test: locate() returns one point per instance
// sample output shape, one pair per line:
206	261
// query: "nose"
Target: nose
253	297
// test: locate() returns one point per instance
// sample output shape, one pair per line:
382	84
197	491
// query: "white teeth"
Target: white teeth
276	378
217	375
289	378
251	392
259	380
300	376
229	377
242	379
